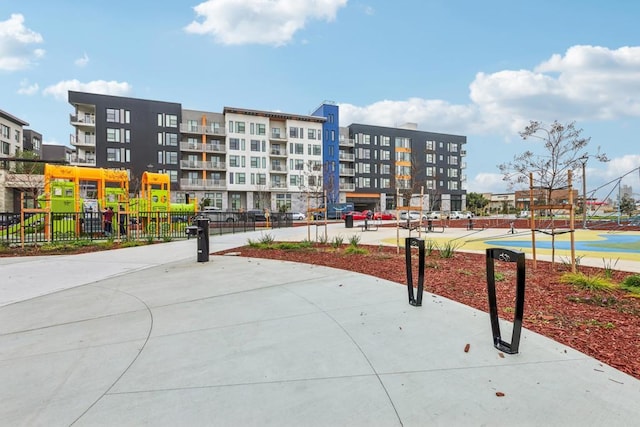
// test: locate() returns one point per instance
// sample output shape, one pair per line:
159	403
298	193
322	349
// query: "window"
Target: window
255	162
430	158
215	199
364	153
255	145
453	147
283	201
261	129
403	142
240	178
234	161
298	164
5	147
113	115
366	139
173	175
431	145
295	180
430	171
317	150
239	127
171	158
113	135
172	121
171	139
234	144
311	133
403	156
192	125
127	136
298	148
385	155
385	169
261	179
230	125
452	173
293	132
452	185
236	202
453	160
385	141
113	154
385	182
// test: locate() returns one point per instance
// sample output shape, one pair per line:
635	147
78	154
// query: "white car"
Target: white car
460	215
434	215
297	216
413	215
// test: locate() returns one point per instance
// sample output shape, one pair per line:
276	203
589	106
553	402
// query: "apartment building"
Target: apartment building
253	159
135	135
11	131
377	163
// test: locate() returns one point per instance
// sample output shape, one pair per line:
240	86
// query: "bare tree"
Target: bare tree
565	148
27	176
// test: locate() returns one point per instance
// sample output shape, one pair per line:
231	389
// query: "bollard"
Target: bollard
408	243
470	224
201	231
429	225
506	255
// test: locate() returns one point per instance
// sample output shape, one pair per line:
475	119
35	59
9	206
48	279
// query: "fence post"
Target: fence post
408	243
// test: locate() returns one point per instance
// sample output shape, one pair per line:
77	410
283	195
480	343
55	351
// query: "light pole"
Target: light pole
584	160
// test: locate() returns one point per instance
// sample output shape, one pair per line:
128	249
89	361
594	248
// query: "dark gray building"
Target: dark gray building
133	134
384	161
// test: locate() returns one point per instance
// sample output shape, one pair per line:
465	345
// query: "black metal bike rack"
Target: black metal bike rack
506	255
409	242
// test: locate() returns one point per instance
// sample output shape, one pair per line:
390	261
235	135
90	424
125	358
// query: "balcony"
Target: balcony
278	169
347	157
347	172
202	184
215	166
191	164
82	161
83	140
346	186
82	120
214	148
202	130
278	185
277	136
191	146
278	152
347	142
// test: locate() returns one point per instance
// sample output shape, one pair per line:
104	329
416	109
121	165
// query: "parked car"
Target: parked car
297	216
257	215
524	214
434	215
384	215
355	214
412	215
460	215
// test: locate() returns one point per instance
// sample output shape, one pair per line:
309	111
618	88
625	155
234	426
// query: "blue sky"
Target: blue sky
480	69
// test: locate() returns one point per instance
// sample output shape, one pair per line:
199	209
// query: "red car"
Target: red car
356	215
384	215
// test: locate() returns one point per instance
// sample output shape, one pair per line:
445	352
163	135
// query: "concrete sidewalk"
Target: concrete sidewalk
147	335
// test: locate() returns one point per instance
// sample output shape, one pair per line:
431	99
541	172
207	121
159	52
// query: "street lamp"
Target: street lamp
584	160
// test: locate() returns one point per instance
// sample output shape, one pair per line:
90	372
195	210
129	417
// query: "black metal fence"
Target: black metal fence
41	227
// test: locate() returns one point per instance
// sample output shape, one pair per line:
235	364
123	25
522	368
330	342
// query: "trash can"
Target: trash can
200	230
348	221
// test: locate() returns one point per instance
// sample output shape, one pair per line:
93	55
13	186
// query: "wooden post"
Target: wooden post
572	223
533	222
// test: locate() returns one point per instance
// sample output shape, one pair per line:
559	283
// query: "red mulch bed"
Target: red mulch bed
604	325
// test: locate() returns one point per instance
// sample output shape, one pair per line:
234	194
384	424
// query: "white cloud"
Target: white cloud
27	89
487	183
586	83
83	61
269	22
60	90
16	50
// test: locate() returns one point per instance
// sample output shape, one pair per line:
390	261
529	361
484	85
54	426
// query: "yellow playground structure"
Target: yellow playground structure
75	197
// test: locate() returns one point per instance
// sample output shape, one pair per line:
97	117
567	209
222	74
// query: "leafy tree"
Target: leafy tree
627	205
476	202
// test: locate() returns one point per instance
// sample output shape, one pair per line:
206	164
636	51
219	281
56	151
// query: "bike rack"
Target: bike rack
409	242
506	255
